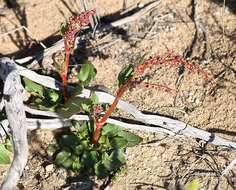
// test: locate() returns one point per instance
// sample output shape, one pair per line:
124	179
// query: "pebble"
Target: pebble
49	168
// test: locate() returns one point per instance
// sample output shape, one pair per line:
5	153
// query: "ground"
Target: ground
205	34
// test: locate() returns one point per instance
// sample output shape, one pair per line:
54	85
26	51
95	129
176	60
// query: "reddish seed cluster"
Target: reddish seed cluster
139	69
172	61
161	87
169	60
74	25
81	19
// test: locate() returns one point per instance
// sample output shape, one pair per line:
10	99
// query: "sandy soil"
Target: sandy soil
160	162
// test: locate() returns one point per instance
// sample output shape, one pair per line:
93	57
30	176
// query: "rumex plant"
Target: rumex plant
96	146
77	150
131	76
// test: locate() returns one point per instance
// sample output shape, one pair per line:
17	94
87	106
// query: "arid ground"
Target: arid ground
202	31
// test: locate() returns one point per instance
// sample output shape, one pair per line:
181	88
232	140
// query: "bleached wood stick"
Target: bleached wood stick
13	102
165	122
51	124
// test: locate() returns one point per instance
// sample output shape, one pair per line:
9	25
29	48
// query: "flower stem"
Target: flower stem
100	123
64	71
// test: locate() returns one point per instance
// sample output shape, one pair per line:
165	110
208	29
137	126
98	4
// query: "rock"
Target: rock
49	168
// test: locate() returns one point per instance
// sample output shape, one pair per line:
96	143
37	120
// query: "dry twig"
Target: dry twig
13	102
175	126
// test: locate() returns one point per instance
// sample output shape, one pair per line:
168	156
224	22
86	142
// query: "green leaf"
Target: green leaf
64	28
82	131
72	106
110	130
31	86
87	106
100	170
89	158
8	144
193	185
115	160
45	106
126	73
4	155
104	140
131	139
53	96
87	72
79	150
118	157
68	140
63	159
76	125
44	99
77	90
52	148
106	161
94	98
118	142
76	165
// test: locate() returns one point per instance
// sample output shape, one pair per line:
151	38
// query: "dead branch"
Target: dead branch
175	126
52	124
13	102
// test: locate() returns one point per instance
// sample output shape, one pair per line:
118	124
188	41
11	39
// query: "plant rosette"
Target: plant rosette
76	151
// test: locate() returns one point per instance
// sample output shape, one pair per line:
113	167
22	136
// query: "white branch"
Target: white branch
13	101
177	127
52	124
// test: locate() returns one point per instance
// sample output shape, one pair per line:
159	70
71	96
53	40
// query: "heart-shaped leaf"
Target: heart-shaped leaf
63	159
118	142
110	130
131	138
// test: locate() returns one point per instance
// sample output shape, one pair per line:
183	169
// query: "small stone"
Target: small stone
197	101
49	168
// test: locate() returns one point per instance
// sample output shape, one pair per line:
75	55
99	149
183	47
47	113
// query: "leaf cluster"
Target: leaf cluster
75	151
43	98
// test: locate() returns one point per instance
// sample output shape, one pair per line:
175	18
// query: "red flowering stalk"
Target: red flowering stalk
168	59
70	30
